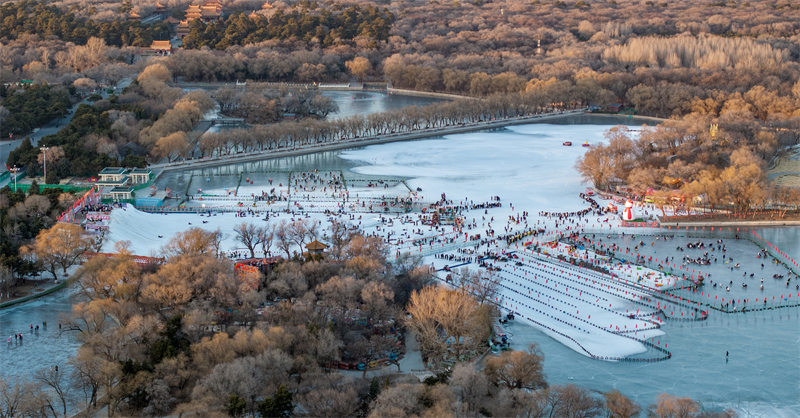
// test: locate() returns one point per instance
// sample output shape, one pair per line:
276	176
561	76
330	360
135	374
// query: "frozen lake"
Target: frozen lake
761	376
528	167
362	103
42	349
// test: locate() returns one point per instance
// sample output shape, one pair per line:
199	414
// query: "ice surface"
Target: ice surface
729	279
43	349
524	165
528	166
361	103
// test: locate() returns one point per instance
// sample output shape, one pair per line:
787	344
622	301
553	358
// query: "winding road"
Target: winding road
50	128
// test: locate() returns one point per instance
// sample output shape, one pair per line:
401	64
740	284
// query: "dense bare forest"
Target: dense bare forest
684	50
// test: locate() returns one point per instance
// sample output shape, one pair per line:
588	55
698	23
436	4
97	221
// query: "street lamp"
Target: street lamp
44	150
15	170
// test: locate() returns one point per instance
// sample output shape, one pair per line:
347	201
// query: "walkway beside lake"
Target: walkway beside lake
360	142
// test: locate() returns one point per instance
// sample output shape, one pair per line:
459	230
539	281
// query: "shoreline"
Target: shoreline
35	296
617	115
358	142
732	223
414	93
331	87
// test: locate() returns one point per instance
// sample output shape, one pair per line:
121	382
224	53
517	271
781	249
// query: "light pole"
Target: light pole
44	150
15	170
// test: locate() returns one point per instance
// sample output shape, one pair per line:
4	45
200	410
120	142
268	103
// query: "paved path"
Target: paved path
359	142
785	173
49	129
410	363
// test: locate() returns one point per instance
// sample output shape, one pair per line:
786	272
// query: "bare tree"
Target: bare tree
575	402
87	369
284	238
518	369
359	67
313	229
266	236
620	406
470	384
669	406
447	321
248	235
298	230
7	280
22	398
56	381
484	286
60	247
330	397
398	401
193	242
171	146
339	237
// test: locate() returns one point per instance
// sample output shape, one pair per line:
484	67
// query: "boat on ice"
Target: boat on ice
586	144
567	144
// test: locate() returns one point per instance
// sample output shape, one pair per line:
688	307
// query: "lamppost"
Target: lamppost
44	150
15	170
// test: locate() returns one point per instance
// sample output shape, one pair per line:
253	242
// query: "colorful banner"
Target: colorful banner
90	198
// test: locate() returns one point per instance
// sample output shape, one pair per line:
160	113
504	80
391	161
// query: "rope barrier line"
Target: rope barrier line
643	291
656	309
786	261
552	307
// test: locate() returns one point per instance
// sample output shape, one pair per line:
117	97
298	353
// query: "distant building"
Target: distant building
374	86
116	183
121	193
161	48
182	29
616	107
134	16
210	11
160	8
139	175
193	12
172	21
113	176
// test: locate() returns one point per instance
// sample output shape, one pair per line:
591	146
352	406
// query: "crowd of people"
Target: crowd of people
593	209
105	207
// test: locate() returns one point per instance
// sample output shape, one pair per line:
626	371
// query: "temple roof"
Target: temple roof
316	245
